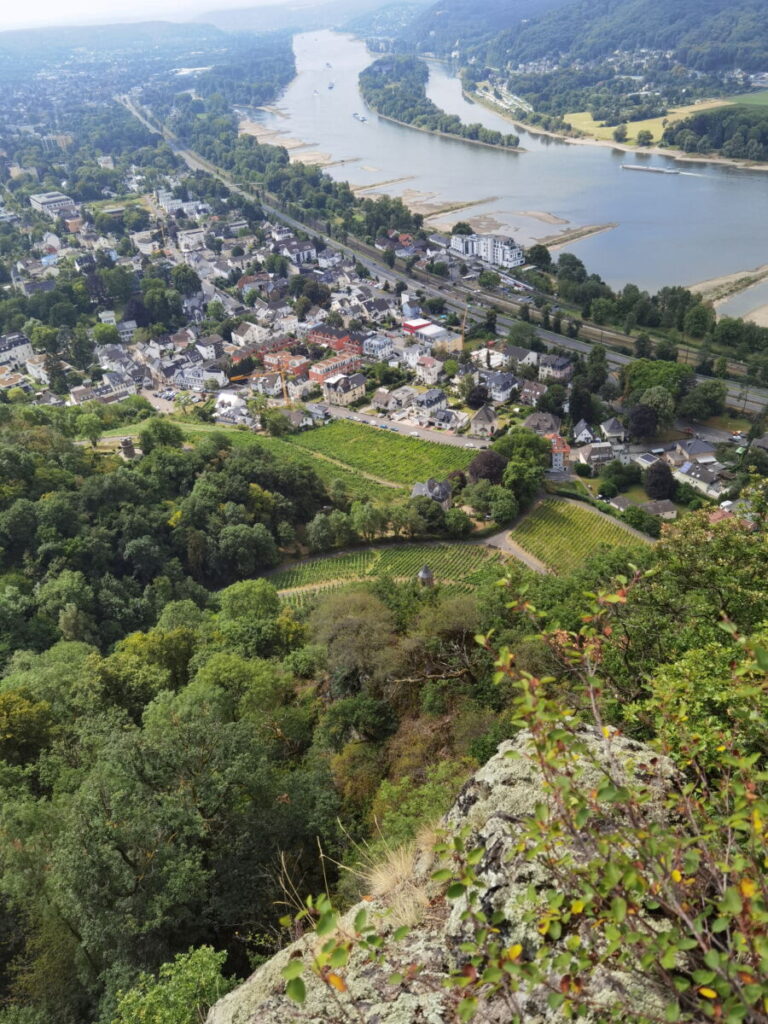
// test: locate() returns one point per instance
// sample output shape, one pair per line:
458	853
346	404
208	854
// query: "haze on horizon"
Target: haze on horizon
50	13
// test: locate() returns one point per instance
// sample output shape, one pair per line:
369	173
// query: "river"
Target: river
706	221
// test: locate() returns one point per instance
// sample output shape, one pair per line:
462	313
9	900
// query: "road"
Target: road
751	399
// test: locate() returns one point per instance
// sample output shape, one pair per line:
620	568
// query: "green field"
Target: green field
750	99
462	566
564	536
403	460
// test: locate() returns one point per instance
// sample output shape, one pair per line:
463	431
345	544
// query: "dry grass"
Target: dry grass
584	121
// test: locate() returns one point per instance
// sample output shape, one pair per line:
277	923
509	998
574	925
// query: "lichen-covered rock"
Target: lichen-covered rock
490	807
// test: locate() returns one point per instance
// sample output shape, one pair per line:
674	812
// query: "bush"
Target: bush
583	470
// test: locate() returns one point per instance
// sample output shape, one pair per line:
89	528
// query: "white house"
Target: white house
429	370
15	349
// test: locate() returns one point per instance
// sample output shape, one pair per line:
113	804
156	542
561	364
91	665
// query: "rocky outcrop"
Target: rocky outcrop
490	807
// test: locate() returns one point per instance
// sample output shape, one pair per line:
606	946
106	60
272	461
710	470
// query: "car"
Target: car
414	433
468	445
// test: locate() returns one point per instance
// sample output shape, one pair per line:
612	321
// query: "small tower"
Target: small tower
127	449
426	577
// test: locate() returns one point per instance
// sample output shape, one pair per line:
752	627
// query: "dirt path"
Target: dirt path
351	469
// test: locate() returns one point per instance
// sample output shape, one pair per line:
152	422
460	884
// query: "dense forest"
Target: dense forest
396	87
739	133
703	34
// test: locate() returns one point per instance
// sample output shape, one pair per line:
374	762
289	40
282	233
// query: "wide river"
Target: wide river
706	221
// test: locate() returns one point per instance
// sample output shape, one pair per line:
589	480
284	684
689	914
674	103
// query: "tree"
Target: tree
540	256
320	533
597	368
106	334
620	133
182	992
477	396
185	280
659	482
487	465
368	520
645	138
461	227
705	400
524	478
160	433
457	523
643	347
643	422
488	279
90	426
662	402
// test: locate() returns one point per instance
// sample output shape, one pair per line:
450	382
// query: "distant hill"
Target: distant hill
297	15
706	34
470	26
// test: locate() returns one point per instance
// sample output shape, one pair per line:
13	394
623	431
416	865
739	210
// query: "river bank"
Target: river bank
447	135
622	147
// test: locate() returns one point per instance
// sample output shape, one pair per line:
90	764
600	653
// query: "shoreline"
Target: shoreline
447	135
719	289
677	155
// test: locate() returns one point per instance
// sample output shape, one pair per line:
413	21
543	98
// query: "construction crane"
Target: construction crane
464	323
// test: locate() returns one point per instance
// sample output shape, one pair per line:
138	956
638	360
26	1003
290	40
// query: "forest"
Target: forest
739	133
396	87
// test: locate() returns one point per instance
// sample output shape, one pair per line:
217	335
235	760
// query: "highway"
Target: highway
744	398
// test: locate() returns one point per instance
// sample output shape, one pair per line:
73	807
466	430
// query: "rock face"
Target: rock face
491	806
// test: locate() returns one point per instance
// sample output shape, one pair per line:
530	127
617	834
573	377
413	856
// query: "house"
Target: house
703	478
248	334
425	330
531	391
488	358
383	401
557	368
268	384
582	433
695	450
594	455
403	396
450	419
500	385
561	450
285	362
299	387
35	367
198	376
341	389
430	401
231	407
378	347
620	503
299	253
125	330
521	356
328	337
439	491
429	370
190	240
542	423
411	355
326	368
664	509
483	423
15	349
497	250
211	347
612	430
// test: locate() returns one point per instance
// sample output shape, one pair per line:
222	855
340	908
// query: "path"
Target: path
503	542
351	469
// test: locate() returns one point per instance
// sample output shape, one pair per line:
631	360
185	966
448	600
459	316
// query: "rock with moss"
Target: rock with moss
490	811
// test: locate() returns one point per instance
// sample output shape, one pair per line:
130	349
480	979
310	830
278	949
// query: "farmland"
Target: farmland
460	566
564	535
402	460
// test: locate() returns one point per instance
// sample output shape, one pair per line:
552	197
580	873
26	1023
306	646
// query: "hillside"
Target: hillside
462	24
704	34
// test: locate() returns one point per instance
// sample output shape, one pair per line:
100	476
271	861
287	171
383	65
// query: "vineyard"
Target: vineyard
565	535
381	453
458	566
356	486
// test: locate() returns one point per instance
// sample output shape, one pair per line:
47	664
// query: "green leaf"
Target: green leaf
293	969
672	1012
618	908
361	917
400	933
456	890
395	979
339	957
731	901
443	875
326	923
467	1008
296	990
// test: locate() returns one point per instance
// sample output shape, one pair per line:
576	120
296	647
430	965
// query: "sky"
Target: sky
90	12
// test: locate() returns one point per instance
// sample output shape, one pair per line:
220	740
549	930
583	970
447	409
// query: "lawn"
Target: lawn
462	566
584	122
382	453
751	99
564	536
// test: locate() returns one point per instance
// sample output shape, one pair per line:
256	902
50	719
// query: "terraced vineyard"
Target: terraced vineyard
564	535
456	566
383	454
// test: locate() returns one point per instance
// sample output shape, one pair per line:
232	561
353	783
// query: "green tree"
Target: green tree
182	993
